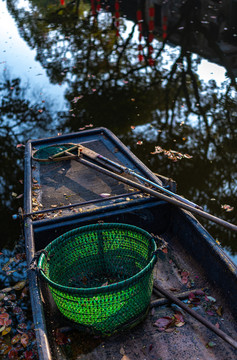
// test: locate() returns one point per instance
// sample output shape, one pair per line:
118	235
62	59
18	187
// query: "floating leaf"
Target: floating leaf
227	208
171	154
16	339
76	98
24	339
20	285
6	330
13	354
17	310
219	310
28	355
2	296
187	156
212	299
22	326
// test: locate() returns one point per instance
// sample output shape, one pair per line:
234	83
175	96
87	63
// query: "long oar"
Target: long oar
153	192
123	169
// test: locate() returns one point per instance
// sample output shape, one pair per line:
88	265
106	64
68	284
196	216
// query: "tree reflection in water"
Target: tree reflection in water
166	105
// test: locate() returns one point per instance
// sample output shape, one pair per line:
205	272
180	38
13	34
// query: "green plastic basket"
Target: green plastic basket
101	276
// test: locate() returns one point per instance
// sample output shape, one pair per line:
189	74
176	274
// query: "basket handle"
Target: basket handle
34	262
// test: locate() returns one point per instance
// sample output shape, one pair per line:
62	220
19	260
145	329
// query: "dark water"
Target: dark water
68	67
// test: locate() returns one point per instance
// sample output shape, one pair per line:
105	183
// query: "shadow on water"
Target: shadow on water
135	71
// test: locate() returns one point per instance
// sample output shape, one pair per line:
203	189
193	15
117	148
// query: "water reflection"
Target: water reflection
103	60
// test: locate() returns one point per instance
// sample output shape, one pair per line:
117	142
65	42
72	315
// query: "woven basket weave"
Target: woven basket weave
101	276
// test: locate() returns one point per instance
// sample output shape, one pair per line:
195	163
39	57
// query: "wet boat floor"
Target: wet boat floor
177	272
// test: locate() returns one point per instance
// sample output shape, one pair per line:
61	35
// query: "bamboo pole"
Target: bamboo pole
157	194
195	315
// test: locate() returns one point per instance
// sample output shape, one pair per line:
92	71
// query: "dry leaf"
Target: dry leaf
20	285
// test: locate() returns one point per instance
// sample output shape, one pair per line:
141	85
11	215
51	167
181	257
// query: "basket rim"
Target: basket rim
99	289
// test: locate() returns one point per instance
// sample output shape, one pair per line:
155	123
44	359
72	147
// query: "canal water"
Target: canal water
161	77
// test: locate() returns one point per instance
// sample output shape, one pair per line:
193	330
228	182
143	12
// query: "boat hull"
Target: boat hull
190	250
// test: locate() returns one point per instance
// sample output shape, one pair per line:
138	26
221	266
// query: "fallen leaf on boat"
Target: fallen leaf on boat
122	351
104	195
35	187
22	326
209	312
4	348
219	311
3	318
13	354
163	323
194	299
211	344
212	299
184	277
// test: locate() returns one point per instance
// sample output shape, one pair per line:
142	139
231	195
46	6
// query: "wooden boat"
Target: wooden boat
66	194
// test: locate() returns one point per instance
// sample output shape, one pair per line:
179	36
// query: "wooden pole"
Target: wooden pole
194	314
